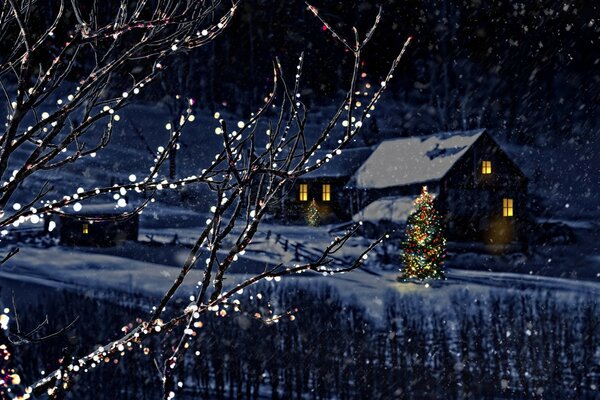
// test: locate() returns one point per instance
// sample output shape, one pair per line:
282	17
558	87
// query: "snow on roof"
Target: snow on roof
344	164
394	209
404	161
102	209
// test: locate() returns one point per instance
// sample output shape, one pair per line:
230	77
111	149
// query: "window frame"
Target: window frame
326	192
303	192
508	209
486	167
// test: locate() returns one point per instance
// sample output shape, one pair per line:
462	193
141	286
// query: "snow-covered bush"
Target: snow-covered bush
303	341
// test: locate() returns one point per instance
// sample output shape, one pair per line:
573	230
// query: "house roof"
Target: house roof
405	161
395	209
342	165
102	209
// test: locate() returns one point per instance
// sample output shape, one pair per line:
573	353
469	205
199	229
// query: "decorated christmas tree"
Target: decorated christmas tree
425	245
312	214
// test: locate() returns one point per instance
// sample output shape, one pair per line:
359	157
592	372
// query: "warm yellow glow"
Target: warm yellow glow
507	207
486	167
303	192
326	192
15	379
86	229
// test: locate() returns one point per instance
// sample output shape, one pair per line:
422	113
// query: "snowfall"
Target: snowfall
168	228
150	269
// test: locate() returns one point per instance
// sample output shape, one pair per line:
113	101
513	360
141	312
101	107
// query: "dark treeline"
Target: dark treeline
505	344
523	68
526	69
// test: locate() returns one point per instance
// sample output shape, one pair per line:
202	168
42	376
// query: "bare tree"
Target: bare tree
259	160
103	44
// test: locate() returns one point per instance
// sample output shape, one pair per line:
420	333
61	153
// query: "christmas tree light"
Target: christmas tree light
425	245
312	214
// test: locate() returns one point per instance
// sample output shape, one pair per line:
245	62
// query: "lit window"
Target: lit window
326	192
303	192
486	167
507	207
86	229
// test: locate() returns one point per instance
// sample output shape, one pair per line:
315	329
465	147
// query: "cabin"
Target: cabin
480	192
98	225
324	185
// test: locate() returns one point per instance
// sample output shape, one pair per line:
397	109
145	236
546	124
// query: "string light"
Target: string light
425	245
312	214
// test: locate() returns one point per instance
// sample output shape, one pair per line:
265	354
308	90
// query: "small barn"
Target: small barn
324	185
479	190
98	225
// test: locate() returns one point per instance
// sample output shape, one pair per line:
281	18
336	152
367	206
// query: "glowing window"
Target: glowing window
86	229
486	167
303	192
507	207
326	192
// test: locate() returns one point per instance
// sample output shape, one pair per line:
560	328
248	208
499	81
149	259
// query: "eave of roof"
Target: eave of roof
340	165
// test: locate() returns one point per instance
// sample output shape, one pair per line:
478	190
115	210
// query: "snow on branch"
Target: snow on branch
245	176
101	49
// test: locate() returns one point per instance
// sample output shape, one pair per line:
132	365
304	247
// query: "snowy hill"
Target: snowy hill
149	271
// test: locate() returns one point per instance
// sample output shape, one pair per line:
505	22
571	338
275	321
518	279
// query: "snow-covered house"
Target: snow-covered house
98	225
324	185
480	192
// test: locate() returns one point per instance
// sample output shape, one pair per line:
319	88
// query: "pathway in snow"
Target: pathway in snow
73	268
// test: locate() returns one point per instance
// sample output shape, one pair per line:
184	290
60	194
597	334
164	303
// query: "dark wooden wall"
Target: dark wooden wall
100	233
471	202
289	209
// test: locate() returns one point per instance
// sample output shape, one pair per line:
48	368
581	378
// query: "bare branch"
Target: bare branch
10	254
243	179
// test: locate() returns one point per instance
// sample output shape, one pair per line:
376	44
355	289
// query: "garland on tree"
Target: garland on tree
425	245
10	381
312	214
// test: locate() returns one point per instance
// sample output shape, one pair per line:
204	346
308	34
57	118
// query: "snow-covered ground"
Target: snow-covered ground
149	267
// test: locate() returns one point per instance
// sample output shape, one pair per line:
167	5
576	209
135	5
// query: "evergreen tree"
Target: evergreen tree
425	245
312	214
